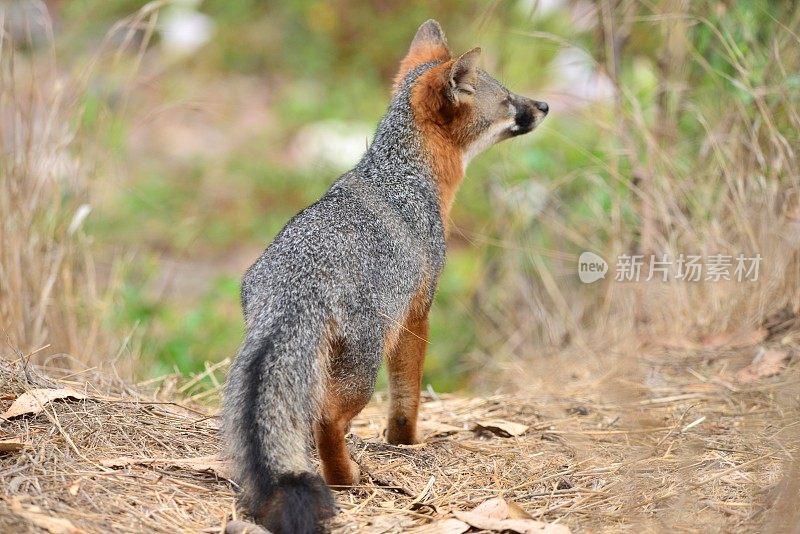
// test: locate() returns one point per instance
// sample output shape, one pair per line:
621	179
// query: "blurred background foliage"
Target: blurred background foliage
213	122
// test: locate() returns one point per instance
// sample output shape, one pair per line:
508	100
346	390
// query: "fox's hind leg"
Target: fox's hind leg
338	468
350	384
404	364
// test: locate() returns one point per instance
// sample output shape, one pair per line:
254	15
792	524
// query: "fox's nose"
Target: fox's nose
542	106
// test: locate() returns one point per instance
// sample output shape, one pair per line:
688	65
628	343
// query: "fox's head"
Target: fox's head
460	109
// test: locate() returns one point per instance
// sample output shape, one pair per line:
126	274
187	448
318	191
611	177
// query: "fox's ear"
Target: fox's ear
429	44
430	33
463	76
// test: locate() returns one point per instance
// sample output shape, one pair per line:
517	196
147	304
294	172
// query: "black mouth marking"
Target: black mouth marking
529	113
524	120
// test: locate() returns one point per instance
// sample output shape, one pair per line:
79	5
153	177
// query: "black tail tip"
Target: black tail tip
301	504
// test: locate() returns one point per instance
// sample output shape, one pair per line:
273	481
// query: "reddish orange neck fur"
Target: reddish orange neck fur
439	121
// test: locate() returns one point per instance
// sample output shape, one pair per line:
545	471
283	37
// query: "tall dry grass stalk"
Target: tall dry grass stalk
46	272
731	188
52	301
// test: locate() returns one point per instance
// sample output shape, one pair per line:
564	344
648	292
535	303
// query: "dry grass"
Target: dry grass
706	165
696	452
54	303
61	469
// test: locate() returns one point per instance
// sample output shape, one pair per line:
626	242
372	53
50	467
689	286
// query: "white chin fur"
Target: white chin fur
489	137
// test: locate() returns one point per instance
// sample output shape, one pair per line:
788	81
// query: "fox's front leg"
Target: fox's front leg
405	375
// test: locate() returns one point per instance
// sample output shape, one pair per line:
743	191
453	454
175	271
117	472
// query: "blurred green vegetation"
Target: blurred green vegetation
307	61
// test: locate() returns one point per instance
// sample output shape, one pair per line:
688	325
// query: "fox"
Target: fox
349	282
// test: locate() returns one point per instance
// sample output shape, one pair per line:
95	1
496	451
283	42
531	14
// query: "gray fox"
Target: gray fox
350	279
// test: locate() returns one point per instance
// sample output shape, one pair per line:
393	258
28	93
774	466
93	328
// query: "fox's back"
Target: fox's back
362	251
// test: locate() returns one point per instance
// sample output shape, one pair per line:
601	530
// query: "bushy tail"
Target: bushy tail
271	398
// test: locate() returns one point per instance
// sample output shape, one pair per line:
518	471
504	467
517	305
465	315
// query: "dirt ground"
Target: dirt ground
704	450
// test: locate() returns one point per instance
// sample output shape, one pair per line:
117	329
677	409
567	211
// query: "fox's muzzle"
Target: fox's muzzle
529	114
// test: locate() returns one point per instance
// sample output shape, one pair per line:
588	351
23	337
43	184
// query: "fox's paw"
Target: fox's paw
401	431
348	475
355	473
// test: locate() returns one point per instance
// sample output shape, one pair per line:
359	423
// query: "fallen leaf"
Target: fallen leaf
499	427
521	526
33	401
33	514
766	363
437	428
11	445
501	515
446	526
516	511
210	463
496	508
